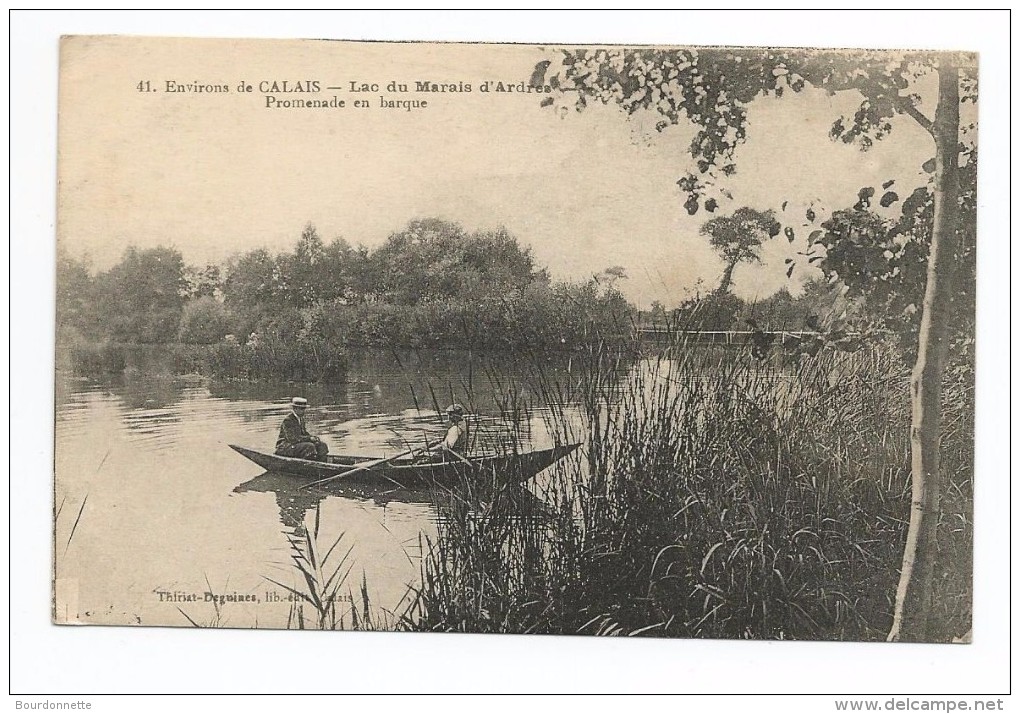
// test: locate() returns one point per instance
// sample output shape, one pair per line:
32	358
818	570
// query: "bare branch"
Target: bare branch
907	107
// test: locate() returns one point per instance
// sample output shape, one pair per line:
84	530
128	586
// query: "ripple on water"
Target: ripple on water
181	514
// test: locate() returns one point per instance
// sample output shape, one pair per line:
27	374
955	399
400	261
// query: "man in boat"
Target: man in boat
455	443
456	440
294	438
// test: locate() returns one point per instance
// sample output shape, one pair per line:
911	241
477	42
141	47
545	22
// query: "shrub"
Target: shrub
96	360
204	321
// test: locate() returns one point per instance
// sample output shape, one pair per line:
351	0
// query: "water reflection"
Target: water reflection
397	397
169	504
296	503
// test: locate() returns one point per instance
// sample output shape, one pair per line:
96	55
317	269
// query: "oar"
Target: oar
462	458
363	467
439	412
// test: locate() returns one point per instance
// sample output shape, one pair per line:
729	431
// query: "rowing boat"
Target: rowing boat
409	472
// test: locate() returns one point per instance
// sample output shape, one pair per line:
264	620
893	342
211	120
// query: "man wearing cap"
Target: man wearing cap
294	438
457	435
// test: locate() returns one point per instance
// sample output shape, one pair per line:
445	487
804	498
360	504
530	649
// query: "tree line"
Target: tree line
430	284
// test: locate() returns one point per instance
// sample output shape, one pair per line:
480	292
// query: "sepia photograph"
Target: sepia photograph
654	342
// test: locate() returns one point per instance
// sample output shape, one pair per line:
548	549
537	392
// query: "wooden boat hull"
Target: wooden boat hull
406	473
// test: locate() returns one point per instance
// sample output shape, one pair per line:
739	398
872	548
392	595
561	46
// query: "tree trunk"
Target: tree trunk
914	592
727	277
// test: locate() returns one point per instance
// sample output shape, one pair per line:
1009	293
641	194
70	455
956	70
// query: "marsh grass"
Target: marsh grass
325	598
218	618
308	360
74	526
322	575
476	572
62	602
717	495
272	358
96	359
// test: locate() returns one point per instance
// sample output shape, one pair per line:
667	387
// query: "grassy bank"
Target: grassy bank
715	497
270	359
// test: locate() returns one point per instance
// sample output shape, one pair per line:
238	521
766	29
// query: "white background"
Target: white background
63	660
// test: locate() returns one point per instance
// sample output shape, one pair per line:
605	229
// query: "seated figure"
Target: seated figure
294	438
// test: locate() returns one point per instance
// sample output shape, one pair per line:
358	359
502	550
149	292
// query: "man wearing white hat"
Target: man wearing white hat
294	437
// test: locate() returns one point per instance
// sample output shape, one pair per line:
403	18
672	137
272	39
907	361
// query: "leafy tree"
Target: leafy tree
494	260
251	278
826	307
610	276
203	282
140	299
75	293
780	311
413	264
738	238
303	273
433	259
358	262
712	88
252	289
657	314
882	262
822	307
204	321
342	273
715	312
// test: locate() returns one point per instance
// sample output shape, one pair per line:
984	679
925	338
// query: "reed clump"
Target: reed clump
477	576
96	359
717	495
272	358
305	358
324	598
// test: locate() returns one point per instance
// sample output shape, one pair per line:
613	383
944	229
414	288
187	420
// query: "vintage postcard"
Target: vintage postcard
668	342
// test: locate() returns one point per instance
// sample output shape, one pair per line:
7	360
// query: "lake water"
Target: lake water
171	513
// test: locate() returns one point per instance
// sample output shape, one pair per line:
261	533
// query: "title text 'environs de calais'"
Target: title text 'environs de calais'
294	94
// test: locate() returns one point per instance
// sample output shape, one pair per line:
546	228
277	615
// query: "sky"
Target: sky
215	174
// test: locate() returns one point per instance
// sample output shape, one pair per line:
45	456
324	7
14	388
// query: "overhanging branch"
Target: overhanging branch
872	89
907	107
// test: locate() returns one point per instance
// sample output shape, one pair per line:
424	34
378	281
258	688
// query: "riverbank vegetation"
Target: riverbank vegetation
930	245
750	492
717	496
294	315
759	495
721	492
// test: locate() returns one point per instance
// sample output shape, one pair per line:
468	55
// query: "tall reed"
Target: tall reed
312	360
717	495
324	586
